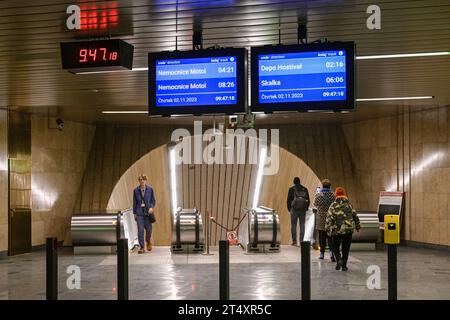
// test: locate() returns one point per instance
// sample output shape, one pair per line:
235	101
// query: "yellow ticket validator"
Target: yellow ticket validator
392	229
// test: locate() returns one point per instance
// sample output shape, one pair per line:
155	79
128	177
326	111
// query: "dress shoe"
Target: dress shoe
149	246
141	251
339	265
294	243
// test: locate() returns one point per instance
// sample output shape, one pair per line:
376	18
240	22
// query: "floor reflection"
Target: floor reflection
423	274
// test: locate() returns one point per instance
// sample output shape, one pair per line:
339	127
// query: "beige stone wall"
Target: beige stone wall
3	180
408	152
58	163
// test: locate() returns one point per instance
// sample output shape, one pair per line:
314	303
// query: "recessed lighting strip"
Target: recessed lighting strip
359	100
404	55
395	98
111	71
124	112
259	176
372	57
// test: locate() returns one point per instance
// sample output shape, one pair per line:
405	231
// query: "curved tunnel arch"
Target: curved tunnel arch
220	189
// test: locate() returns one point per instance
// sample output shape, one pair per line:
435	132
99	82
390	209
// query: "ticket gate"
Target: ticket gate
259	230
95	232
187	231
99	232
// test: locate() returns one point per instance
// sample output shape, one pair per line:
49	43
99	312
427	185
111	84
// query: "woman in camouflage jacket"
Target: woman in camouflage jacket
340	223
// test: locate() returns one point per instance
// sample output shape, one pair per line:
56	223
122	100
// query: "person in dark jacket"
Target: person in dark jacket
143	203
297	205
340	223
322	201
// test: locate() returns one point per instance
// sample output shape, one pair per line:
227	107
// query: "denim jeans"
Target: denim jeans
295	215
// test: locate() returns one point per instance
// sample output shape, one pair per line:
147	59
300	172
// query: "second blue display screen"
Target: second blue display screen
303	76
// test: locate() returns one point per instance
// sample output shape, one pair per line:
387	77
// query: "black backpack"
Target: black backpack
300	203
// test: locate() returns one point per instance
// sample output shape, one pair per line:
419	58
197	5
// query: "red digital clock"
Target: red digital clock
98	55
86	55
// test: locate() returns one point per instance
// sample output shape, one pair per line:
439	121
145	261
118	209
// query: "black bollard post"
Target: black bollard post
52	269
306	269
122	269
392	272
224	270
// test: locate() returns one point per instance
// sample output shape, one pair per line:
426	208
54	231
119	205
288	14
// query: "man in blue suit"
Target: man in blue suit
143	204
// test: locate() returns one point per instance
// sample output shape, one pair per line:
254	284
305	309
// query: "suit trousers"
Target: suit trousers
143	223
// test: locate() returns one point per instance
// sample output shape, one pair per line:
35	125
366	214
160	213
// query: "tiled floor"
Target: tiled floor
422	274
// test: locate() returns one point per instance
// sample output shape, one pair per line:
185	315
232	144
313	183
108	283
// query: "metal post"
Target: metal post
392	272
208	234
118	223
224	270
52	269
305	247
122	269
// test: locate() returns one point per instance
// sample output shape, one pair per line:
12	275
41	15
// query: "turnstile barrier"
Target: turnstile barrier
187	231
260	230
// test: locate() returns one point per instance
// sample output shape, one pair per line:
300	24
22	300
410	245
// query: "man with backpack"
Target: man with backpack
297	204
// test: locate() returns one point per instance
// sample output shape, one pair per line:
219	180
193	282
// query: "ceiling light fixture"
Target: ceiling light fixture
111	71
372	57
259	176
122	112
404	55
259	113
140	69
395	98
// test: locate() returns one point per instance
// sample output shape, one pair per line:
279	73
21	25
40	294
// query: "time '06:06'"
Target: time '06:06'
246	309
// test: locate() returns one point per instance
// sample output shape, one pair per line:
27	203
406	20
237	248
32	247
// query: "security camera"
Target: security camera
233	119
60	123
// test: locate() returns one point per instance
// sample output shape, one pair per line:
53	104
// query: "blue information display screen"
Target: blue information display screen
205	81
302	76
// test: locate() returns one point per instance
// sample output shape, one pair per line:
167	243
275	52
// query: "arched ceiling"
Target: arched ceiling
221	190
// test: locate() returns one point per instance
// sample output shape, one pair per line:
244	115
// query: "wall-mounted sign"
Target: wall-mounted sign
232	237
390	203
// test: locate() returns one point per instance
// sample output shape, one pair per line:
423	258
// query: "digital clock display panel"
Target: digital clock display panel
99	55
197	82
303	77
